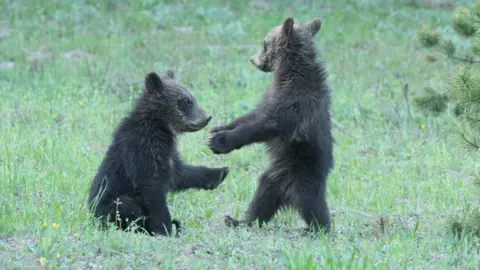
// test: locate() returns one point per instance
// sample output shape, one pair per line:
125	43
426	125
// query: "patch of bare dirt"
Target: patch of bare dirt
434	4
7	65
39	55
76	54
13	255
183	29
4	32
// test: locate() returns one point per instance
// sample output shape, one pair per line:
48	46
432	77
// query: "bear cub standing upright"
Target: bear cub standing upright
142	163
293	119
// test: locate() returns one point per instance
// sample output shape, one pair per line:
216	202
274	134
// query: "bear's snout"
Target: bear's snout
208	119
200	122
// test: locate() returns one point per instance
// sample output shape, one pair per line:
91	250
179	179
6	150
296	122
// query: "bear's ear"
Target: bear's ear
314	26
287	28
171	75
153	83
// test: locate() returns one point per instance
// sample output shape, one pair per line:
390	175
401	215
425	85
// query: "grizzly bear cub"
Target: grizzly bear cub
293	119
142	163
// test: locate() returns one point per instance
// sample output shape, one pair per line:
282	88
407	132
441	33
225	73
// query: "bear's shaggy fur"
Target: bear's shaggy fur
142	163
293	119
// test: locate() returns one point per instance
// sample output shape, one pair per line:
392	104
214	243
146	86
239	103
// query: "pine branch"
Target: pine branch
458	58
472	144
465	83
431	102
476	44
428	37
464	78
463	22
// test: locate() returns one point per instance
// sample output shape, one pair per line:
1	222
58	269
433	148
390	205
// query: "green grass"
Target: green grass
398	179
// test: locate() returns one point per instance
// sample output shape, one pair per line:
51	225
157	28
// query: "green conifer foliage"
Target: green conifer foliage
464	90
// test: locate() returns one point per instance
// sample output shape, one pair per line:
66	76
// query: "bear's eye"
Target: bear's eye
185	103
264	46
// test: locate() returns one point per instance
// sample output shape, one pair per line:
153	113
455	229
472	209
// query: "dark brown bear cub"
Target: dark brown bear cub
293	119
142	163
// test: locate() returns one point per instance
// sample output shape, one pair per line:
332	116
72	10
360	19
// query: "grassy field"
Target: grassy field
70	70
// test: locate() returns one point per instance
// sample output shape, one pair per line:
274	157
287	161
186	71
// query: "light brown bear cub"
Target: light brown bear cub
293	120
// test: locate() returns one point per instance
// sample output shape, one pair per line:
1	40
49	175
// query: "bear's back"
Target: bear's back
134	149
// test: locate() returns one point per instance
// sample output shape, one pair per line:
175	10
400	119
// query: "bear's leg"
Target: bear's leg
248	117
199	177
159	220
264	204
126	211
223	142
123	212
313	208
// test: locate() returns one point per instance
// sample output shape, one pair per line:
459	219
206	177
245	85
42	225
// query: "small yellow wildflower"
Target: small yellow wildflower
422	126
356	257
44	224
42	260
58	255
55	225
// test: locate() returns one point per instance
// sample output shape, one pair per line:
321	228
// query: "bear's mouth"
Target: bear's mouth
195	126
262	67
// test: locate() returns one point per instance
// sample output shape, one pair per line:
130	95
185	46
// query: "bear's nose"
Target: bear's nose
208	119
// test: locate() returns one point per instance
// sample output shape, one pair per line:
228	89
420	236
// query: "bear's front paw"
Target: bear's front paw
217	129
218	143
178	226
218	177
231	222
224	173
